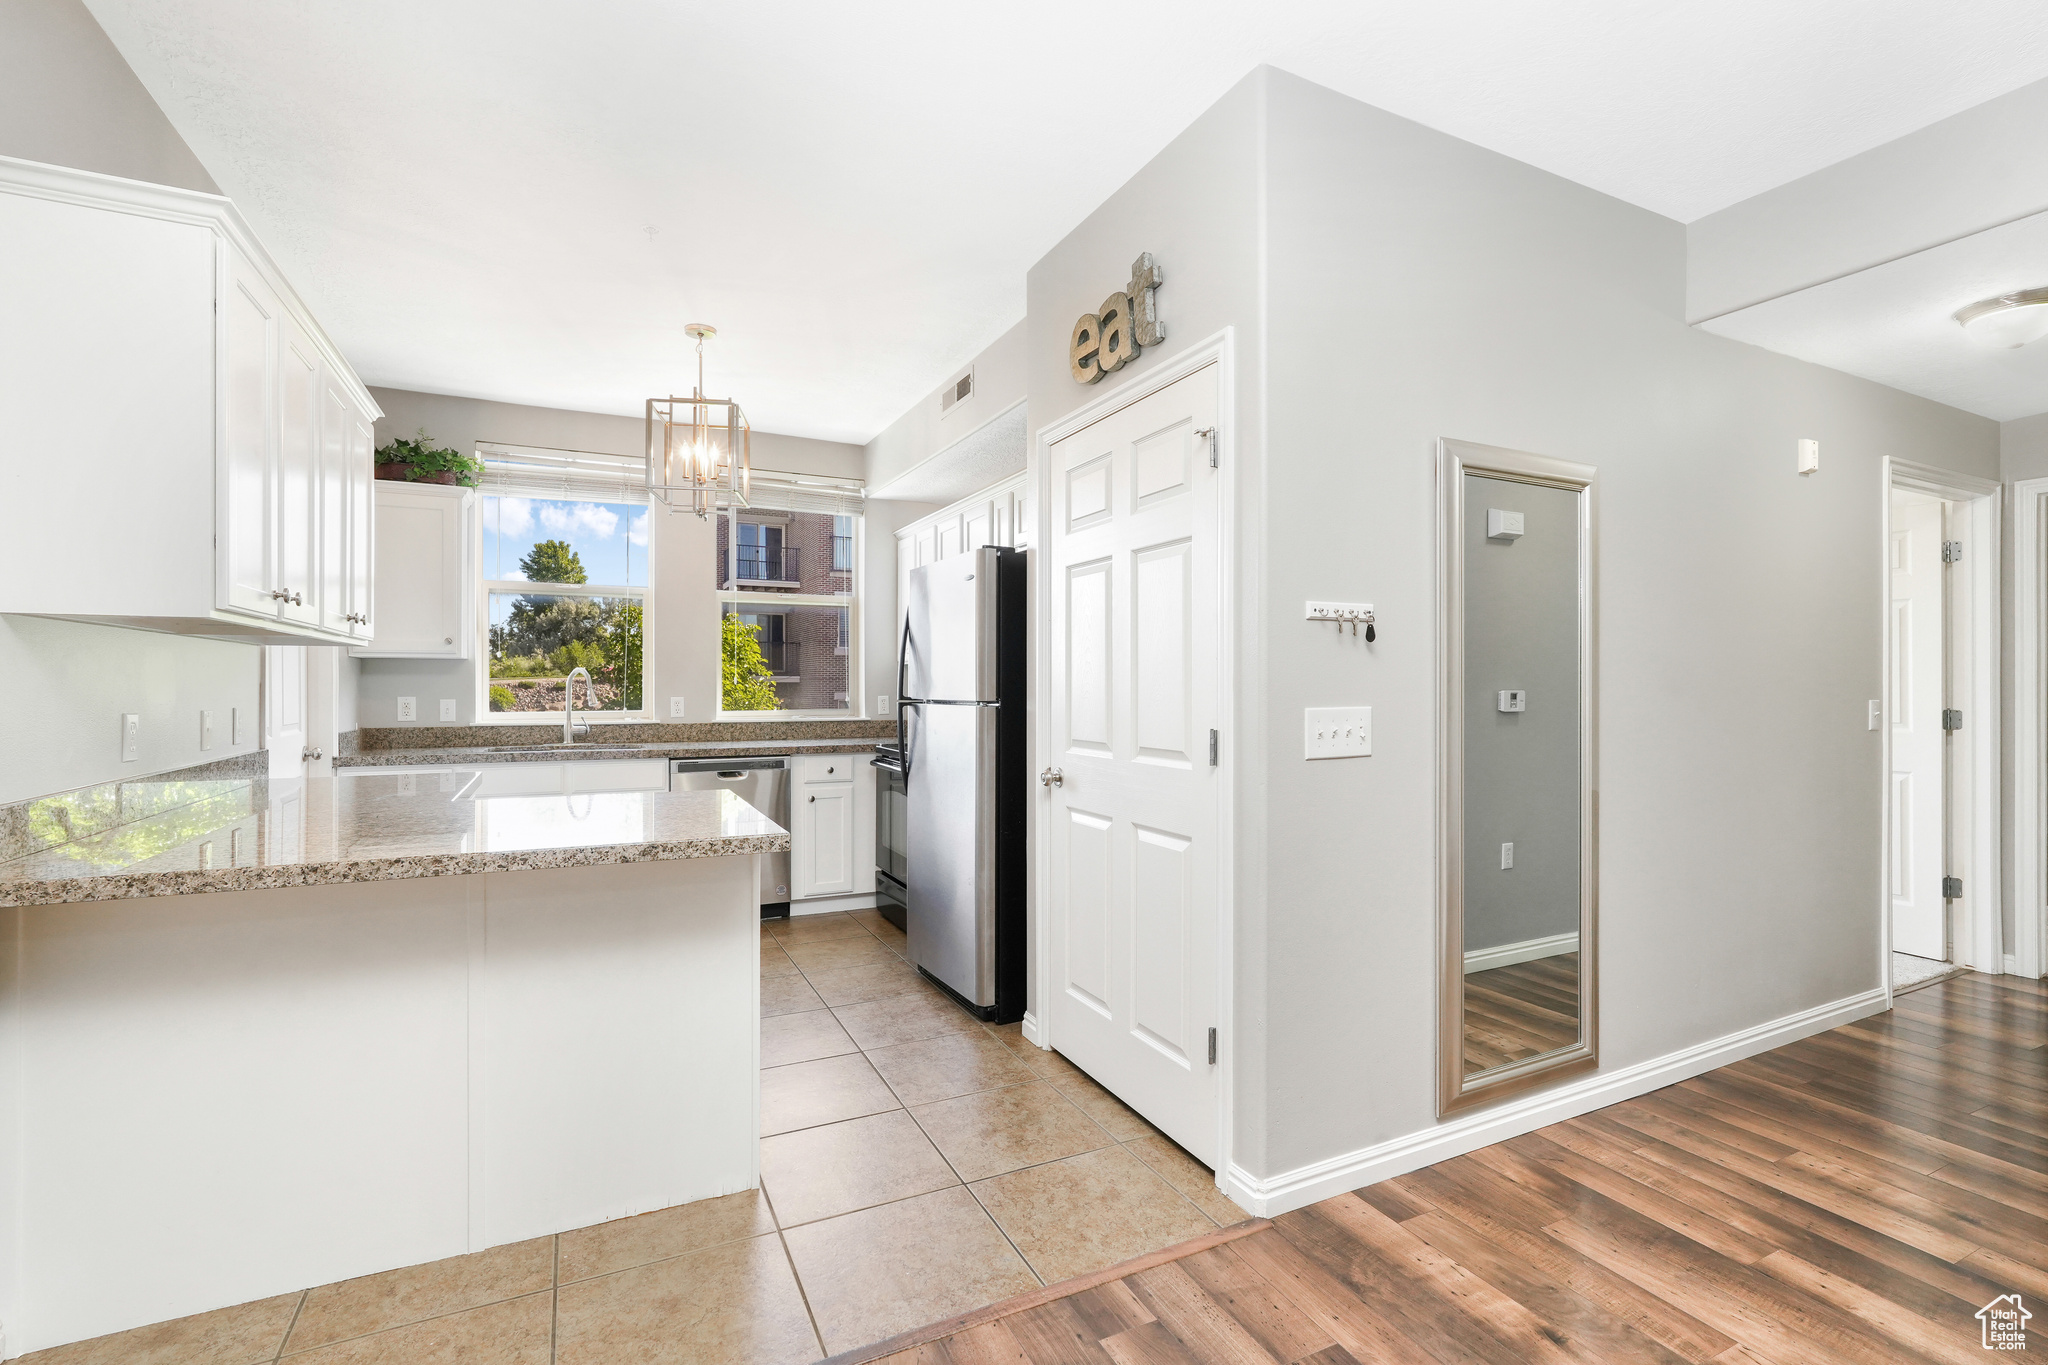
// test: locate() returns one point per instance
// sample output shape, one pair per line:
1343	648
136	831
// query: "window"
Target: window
566	585
787	582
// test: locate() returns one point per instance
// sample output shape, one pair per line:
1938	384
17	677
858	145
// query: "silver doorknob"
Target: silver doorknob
1052	777
310	755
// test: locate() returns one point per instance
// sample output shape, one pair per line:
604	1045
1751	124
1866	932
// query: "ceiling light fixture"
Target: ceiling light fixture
2008	321
699	450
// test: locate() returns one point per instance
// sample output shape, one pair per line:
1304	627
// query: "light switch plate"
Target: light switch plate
1809	457
675	708
131	737
206	729
1875	717
1507	856
237	735
1336	731
447	708
408	708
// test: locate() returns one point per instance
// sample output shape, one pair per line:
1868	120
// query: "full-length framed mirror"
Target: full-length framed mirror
1517	835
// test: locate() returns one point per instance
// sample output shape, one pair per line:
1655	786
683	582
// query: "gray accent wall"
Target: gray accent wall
67	97
1521	768
1388	285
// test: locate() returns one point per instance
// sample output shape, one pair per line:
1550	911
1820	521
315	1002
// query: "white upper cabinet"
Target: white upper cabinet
425	590
183	439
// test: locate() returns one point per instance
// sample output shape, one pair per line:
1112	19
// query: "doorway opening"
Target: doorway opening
1939	716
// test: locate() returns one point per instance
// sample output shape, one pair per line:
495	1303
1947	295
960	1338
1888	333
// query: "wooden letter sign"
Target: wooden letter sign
1125	325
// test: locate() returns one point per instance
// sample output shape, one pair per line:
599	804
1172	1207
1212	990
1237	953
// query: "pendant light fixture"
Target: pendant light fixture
699	449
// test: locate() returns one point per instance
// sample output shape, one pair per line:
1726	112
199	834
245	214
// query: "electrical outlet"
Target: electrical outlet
1513	702
447	708
408	708
237	733
675	708
1507	856
206	729
1336	731
131	737
881	703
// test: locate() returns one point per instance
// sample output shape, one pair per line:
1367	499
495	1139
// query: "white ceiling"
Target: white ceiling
1895	323
852	193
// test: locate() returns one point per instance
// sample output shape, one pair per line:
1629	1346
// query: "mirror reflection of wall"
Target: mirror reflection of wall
1521	770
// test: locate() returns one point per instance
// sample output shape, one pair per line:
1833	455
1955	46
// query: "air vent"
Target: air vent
961	388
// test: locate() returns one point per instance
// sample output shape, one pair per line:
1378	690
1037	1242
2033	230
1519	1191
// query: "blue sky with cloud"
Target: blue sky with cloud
609	537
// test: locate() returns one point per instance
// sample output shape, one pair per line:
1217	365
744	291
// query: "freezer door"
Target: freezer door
951	651
951	902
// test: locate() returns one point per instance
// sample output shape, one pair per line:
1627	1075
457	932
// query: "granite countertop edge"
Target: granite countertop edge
140	885
443	758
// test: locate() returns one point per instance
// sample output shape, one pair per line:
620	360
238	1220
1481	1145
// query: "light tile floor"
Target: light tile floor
916	1163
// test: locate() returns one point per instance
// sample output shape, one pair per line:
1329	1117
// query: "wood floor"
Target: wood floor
1856	1197
1522	1010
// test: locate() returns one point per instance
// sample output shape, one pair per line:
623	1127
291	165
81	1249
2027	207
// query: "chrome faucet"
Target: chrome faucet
569	726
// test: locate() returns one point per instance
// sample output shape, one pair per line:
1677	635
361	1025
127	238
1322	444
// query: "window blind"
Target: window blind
573	475
777	492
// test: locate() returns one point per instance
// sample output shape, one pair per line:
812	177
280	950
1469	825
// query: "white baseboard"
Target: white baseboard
832	905
1032	1033
1319	1180
1528	950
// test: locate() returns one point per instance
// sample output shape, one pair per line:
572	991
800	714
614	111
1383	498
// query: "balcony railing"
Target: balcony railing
766	564
783	657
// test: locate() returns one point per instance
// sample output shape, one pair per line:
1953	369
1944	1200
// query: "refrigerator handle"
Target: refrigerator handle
902	706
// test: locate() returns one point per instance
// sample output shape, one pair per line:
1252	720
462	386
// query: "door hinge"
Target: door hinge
1212	1038
1209	434
1951	720
1212	748
1951	888
1951	551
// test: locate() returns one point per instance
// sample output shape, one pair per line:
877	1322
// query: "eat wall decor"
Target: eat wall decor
1127	322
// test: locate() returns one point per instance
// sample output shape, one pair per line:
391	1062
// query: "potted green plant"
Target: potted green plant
417	460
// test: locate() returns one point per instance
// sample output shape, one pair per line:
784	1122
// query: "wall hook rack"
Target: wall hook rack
1353	614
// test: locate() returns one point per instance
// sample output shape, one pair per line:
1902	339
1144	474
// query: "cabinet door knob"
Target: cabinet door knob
447	639
814	798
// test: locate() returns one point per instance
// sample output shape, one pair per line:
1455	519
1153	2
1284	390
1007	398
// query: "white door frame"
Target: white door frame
1215	350
1975	941
2028	954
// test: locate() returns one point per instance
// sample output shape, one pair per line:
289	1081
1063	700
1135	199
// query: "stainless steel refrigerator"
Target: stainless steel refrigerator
960	687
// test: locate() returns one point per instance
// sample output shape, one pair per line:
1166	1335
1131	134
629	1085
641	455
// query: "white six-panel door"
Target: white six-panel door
1134	657
1918	780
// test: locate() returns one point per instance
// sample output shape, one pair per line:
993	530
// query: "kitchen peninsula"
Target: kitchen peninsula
283	1034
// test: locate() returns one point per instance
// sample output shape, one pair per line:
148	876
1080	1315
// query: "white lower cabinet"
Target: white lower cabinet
161	383
424	596
831	825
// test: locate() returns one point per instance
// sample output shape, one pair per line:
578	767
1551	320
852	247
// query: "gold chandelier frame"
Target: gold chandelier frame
700	454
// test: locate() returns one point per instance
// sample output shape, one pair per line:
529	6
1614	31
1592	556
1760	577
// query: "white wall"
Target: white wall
1391	285
68	98
1001	377
684	637
72	683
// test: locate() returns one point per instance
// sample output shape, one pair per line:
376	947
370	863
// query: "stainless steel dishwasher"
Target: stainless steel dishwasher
762	783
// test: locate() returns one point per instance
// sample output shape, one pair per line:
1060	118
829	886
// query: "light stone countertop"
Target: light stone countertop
241	835
589	751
